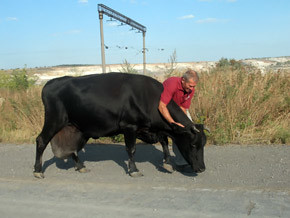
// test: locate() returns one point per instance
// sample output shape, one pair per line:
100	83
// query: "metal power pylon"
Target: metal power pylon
102	9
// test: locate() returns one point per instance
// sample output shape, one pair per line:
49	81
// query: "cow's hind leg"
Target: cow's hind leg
47	133
41	143
130	141
79	165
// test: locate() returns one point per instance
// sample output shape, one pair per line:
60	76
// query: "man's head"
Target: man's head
189	80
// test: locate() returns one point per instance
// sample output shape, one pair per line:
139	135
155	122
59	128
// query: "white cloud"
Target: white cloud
190	16
83	1
12	18
207	20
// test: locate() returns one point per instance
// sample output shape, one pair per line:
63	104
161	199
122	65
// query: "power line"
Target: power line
102	9
120	17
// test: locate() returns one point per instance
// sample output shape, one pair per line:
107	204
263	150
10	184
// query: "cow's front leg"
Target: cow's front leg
200	160
130	141
166	162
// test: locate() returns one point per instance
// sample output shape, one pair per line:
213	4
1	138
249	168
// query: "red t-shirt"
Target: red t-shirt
173	90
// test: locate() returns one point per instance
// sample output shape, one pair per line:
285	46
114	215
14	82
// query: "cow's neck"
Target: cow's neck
177	114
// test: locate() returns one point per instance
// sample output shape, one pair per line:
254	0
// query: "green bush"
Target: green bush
232	63
117	138
17	80
282	135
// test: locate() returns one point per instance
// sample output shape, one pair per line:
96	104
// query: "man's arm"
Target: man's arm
183	109
165	113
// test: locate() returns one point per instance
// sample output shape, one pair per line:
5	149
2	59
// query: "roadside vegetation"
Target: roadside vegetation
126	67
237	103
21	110
241	105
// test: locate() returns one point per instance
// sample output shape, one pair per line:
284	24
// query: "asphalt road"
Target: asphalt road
240	181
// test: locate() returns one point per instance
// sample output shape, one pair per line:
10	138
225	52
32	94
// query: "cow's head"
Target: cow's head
190	142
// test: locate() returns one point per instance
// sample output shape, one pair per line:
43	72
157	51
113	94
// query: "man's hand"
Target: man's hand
179	124
165	113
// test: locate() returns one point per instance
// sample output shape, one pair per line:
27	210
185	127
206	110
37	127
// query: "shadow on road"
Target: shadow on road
116	153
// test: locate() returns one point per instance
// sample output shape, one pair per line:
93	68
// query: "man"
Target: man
181	90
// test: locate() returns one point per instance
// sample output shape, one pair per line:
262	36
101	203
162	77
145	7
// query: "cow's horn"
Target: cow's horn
195	129
206	128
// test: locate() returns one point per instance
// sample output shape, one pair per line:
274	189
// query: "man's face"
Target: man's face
188	85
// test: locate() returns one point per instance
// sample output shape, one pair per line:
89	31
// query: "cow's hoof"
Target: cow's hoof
136	174
200	170
83	170
38	175
168	167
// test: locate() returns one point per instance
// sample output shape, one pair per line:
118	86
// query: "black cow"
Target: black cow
79	108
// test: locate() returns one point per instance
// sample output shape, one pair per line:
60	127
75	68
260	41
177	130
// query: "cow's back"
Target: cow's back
102	104
114	90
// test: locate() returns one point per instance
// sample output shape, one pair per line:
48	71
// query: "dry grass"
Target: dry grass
244	107
237	105
21	116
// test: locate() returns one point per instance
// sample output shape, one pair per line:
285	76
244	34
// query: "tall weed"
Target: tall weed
243	107
128	68
239	104
21	115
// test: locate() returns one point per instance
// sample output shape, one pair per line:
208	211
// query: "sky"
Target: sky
42	33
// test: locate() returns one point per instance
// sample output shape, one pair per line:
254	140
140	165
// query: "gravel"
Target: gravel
240	181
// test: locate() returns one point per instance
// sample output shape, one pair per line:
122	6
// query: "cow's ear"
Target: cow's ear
177	129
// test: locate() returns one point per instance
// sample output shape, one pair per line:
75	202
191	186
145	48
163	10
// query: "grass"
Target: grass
238	104
21	116
244	106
